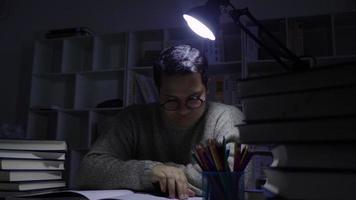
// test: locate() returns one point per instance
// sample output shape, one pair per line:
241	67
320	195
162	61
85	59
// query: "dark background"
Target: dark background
22	21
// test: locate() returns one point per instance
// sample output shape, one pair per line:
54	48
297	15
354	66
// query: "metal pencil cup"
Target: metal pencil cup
223	185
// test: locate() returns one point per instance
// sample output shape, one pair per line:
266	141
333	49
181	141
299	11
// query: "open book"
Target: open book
97	195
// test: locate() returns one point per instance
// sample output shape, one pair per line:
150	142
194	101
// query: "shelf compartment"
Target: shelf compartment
78	54
48	56
97	87
231	41
110	52
313	34
144	47
277	27
225	67
223	88
42	124
73	128
52	91
141	87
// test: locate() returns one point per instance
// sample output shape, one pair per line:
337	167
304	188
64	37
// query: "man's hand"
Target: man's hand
173	179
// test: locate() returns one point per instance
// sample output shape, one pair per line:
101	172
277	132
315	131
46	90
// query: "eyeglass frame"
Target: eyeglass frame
179	103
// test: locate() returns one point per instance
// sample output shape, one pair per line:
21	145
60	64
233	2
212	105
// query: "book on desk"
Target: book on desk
309	117
31	165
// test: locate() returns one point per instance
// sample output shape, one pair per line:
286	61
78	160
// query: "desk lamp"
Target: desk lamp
204	20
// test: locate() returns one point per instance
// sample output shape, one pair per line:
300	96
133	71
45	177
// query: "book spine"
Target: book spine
323	103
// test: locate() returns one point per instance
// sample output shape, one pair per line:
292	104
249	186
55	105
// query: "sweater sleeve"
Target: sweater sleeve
109	164
226	124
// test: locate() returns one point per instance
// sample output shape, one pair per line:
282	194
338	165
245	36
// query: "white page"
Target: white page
102	194
140	196
110	194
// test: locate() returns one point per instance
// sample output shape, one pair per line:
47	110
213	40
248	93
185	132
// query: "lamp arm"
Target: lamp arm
297	64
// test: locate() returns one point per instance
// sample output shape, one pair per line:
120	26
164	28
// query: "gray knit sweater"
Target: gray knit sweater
139	139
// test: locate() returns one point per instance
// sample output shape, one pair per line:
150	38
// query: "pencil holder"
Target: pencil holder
223	185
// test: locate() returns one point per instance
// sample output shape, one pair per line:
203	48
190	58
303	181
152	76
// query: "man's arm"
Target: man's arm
109	163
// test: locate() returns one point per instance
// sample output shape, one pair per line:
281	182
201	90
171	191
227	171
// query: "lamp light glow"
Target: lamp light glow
198	27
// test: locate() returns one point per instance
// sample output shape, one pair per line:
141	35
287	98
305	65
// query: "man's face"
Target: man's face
186	91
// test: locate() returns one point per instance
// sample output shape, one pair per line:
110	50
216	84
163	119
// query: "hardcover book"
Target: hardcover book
38	155
13	176
36	145
310	184
35	185
318	156
18	164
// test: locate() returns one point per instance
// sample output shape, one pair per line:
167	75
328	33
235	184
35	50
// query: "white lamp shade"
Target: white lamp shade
198	27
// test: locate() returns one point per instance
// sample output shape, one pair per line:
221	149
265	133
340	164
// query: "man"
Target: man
152	143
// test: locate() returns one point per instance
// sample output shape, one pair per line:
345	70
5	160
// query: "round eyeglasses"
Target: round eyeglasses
190	103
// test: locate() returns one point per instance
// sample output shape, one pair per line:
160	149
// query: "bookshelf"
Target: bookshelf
71	76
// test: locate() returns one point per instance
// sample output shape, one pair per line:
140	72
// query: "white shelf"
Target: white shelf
233	67
77	54
48	56
142	88
102	71
278	28
43	74
232	42
53	91
144	47
93	89
71	76
110	52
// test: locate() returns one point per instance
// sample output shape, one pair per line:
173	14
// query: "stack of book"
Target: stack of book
309	117
31	165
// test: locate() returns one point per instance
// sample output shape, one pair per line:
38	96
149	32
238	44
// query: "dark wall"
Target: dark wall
26	20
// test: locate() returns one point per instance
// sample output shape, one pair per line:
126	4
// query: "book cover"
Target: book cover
22	164
147	88
318	156
297	131
32	154
36	185
338	101
316	78
36	145
13	176
310	184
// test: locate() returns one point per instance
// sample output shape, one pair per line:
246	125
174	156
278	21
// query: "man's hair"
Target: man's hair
180	59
